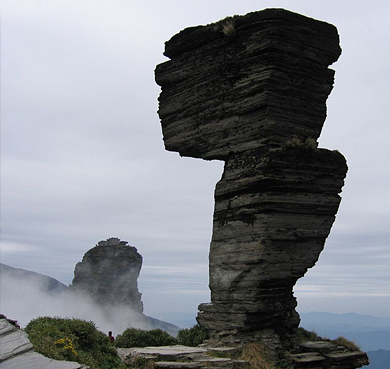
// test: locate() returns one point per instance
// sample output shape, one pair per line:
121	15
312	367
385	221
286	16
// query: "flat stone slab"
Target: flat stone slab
5	327
307	357
184	357
221	362
13	342
213	360
33	360
177	365
176	350
223	350
341	356
321	346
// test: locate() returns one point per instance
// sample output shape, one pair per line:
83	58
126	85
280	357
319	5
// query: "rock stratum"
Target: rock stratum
108	274
251	90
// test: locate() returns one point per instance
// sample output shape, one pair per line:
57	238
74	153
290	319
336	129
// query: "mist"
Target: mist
24	299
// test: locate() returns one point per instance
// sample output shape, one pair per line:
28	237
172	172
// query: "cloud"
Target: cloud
26	299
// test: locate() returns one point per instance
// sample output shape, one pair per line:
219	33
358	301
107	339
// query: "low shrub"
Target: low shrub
304	335
192	336
133	337
349	345
72	340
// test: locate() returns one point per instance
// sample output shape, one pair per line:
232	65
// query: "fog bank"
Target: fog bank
24	299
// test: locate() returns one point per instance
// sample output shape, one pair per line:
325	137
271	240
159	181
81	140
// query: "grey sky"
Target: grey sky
83	157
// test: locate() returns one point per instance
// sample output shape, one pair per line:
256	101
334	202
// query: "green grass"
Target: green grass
72	340
133	337
304	335
193	336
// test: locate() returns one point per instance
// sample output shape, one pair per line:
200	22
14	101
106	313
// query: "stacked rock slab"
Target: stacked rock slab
251	90
108	273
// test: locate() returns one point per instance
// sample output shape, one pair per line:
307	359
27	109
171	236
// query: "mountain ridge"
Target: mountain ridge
52	285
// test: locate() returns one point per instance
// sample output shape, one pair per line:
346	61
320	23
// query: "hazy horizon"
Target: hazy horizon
33	301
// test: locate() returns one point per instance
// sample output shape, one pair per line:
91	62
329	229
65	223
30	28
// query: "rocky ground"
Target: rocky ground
310	355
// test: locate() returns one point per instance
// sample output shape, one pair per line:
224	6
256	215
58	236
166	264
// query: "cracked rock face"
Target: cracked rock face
108	273
252	91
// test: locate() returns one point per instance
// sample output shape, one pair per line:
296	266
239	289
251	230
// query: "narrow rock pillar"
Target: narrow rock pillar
252	90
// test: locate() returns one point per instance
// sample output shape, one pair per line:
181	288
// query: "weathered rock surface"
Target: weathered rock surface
252	91
16	352
108	273
325	354
310	355
273	212
183	357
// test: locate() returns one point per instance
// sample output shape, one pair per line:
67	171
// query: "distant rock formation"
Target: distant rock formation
107	276
108	273
251	90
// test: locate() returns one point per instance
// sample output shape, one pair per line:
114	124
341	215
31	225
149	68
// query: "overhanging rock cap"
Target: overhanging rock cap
260	85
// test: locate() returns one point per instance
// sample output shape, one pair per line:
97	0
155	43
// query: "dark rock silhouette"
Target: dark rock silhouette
251	90
108	273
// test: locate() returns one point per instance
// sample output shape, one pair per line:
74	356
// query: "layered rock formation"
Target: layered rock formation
252	91
108	273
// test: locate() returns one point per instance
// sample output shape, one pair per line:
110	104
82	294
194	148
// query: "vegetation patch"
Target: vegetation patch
193	336
226	26
349	345
257	355
73	340
133	337
140	362
304	335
